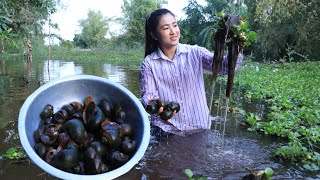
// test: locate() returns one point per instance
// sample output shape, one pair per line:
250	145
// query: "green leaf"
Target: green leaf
247	43
244	26
307	166
188	173
269	172
6	19
252	36
315	167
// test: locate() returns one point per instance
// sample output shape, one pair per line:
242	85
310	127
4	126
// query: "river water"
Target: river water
224	152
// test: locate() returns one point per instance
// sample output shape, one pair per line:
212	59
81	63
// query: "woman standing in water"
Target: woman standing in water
174	72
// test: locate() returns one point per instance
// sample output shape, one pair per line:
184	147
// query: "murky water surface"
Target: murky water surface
224	152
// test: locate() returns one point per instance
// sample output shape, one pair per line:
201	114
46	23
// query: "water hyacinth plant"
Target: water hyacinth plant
292	96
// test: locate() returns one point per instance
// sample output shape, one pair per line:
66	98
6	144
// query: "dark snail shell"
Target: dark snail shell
111	138
79	168
37	134
75	130
119	158
174	106
89	154
69	108
77	106
99	147
106	107
60	116
126	129
41	150
94	118
166	114
46	121
77	115
118	112
119	121
49	138
66	158
47	111
154	106
128	146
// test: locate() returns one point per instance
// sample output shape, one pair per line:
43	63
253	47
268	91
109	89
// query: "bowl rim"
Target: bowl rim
66	175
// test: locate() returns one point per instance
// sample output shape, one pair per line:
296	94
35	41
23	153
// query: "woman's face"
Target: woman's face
168	32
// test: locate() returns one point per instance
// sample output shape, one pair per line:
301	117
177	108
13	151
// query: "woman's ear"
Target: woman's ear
153	36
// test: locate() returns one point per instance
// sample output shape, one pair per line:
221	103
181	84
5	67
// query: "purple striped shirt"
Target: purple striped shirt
179	80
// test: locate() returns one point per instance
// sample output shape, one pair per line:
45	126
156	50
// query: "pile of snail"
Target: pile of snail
168	108
85	138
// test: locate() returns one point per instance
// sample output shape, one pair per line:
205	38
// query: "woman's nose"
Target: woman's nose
172	31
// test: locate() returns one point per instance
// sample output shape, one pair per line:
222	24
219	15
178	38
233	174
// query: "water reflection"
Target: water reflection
56	68
114	73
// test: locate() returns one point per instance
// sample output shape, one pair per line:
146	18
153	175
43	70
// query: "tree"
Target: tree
199	24
135	13
94	30
27	16
285	25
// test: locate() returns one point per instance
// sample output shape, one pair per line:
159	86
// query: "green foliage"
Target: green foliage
191	176
66	44
286	22
291	93
265	174
291	54
7	36
4	21
240	30
27	17
121	56
202	22
14	153
135	13
94	30
194	23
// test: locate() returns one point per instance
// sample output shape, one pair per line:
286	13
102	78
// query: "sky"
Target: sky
75	10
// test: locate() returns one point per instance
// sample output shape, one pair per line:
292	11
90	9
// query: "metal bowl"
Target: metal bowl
76	88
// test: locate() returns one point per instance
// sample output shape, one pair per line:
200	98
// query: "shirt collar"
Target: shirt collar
159	54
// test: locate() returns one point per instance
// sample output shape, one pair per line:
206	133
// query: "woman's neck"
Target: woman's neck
169	51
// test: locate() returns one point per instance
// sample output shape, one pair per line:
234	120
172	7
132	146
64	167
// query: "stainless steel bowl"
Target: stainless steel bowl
77	88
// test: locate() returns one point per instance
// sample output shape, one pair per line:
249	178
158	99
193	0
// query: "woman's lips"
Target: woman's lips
174	38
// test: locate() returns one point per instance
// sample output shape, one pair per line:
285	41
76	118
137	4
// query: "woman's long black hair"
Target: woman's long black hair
151	24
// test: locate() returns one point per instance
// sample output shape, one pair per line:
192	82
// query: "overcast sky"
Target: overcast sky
74	10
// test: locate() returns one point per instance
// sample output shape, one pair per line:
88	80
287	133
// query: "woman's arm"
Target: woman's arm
148	88
207	59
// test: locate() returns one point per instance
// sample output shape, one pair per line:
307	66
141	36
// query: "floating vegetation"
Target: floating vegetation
292	97
14	153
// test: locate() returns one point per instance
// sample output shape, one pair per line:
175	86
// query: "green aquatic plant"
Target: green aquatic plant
291	95
265	174
191	176
14	153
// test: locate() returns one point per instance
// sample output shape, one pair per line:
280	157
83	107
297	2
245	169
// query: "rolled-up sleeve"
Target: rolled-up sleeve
207	59
224	69
148	88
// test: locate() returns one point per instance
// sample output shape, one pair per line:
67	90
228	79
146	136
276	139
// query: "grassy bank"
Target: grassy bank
126	57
